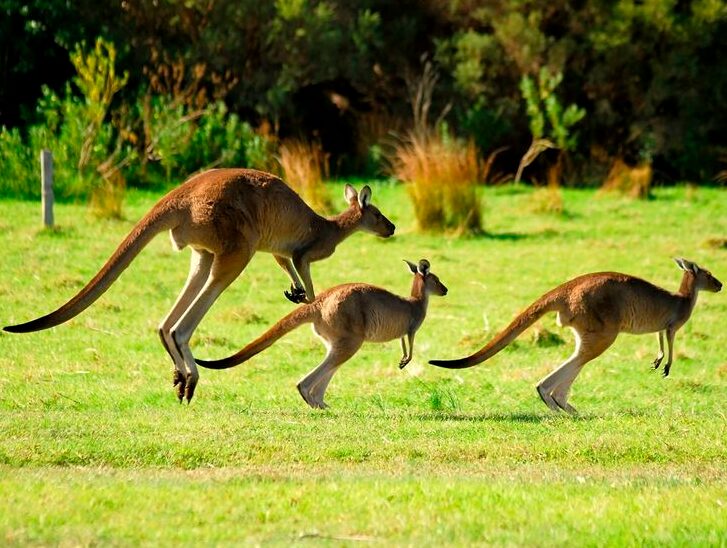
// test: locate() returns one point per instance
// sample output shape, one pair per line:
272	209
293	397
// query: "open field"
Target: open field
95	448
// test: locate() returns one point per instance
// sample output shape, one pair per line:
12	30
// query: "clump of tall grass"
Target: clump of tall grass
635	182
441	176
305	166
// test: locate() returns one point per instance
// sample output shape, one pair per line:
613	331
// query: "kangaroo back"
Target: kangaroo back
160	218
547	303
299	316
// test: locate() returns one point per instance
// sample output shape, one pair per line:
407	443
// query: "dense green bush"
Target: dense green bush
648	74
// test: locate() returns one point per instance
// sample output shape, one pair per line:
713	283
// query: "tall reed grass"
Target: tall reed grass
635	182
305	166
441	176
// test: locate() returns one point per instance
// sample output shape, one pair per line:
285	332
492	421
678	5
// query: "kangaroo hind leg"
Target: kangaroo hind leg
313	386
223	271
555	388
199	270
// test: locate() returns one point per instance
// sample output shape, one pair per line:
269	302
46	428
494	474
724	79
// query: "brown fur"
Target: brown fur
598	307
225	216
344	317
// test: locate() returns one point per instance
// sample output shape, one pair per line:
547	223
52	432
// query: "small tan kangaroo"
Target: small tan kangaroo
225	216
344	317
597	307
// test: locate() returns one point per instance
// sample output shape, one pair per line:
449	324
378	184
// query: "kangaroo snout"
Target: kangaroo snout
390	228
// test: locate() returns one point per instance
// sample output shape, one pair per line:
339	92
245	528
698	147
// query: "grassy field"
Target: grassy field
95	448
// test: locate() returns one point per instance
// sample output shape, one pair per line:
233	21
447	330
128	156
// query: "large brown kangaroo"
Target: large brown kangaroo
344	317
225	216
597	307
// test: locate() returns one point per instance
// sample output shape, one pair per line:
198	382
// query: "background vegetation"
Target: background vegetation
96	450
200	83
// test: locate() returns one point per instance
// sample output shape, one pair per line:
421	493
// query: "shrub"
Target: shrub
20	171
441	174
304	165
186	140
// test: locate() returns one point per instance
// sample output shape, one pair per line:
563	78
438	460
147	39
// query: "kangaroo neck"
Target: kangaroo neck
688	291
341	226
419	298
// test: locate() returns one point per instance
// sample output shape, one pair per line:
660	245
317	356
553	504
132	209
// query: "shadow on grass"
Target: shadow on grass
545	234
531	418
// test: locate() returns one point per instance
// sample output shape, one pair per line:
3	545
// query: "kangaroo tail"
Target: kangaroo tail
299	316
160	218
525	319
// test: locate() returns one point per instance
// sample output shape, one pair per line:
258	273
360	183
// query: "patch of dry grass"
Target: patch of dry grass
441	176
631	181
305	166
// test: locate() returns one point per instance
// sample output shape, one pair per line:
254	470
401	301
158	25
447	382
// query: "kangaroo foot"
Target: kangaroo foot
309	398
305	394
568	408
296	294
547	398
189	387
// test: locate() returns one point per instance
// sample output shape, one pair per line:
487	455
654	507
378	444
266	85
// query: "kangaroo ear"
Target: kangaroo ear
687	266
364	197
412	266
350	194
424	267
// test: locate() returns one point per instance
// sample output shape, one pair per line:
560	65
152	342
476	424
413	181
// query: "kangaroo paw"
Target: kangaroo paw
177	377
295	295
179	384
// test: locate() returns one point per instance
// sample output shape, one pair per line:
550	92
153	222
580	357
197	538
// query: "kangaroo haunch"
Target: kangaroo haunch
597	307
344	317
225	216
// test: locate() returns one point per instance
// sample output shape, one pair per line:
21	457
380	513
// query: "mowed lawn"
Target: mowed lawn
95	449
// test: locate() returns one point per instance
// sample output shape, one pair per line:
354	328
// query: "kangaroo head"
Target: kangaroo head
426	281
369	218
703	278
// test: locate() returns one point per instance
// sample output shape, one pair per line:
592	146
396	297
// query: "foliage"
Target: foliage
543	105
645	73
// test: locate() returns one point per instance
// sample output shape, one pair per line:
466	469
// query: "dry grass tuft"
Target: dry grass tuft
631	181
305	165
107	197
441	175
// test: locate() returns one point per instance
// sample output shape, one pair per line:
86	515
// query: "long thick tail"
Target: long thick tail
297	317
160	218
547	303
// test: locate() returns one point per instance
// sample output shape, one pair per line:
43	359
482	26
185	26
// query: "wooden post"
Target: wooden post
46	190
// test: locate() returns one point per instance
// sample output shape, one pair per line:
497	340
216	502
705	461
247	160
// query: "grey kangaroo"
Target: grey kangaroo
344	317
597	307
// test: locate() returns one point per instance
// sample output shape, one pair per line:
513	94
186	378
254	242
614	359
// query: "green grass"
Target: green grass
95	450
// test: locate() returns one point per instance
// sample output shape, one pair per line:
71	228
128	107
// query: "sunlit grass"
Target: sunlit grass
95	449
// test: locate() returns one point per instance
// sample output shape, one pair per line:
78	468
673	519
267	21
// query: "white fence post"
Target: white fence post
46	190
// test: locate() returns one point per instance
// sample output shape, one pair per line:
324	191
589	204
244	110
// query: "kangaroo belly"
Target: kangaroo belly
383	329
